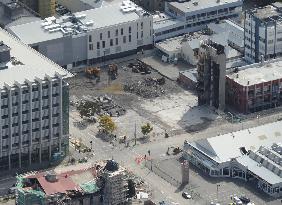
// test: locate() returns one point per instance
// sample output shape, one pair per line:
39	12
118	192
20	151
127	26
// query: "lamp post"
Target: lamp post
217	187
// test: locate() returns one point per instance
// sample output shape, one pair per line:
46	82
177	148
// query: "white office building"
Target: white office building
33	105
253	154
90	36
190	16
263	33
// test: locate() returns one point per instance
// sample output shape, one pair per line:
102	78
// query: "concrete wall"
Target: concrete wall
66	50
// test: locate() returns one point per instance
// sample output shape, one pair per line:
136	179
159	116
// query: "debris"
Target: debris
140	67
148	88
97	106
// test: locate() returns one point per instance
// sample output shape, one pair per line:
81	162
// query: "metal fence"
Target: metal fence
153	166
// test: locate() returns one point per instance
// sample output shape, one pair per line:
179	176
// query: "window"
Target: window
116	32
129	38
116	41
141	34
98	45
137	35
141	25
103	44
109	34
90	38
101	36
91	47
124	39
129	29
121	31
111	42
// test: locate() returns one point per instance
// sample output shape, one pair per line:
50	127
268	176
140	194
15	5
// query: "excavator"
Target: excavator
93	73
113	71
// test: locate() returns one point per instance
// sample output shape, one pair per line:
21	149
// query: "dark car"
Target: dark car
244	199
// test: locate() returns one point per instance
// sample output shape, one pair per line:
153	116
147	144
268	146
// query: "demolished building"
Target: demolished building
211	75
103	183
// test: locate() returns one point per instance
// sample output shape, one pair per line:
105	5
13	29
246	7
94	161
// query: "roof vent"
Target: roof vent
195	3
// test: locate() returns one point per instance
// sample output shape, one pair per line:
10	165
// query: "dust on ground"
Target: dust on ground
176	111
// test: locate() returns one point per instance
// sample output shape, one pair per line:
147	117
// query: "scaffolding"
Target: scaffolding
115	187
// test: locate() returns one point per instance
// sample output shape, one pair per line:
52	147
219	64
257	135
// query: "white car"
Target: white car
237	200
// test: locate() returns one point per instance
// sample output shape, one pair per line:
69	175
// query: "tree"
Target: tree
146	129
107	124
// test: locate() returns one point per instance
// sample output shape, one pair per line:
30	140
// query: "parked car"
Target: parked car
244	199
237	200
185	195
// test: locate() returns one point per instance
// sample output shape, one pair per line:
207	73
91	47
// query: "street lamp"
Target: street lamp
217	187
91	144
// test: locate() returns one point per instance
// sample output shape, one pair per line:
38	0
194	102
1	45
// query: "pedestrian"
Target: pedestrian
145	157
149	152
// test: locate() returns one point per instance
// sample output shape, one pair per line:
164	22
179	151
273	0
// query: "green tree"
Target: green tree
107	124
146	129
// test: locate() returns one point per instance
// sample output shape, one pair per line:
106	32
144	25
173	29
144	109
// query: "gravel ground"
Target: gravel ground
81	85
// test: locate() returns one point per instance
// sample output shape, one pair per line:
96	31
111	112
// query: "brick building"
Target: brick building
255	87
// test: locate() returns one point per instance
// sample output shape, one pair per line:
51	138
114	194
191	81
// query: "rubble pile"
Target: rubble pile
148	88
140	67
104	105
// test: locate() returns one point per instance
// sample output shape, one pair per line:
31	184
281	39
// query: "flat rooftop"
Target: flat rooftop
225	147
163	21
34	65
258	73
190	6
92	19
266	12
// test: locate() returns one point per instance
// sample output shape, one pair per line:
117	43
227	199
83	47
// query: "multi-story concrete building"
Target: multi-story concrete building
80	5
263	33
45	8
90	36
14	12
33	105
152	5
211	75
255	87
184	17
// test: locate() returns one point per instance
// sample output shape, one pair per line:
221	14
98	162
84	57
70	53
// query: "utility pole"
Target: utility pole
135	134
